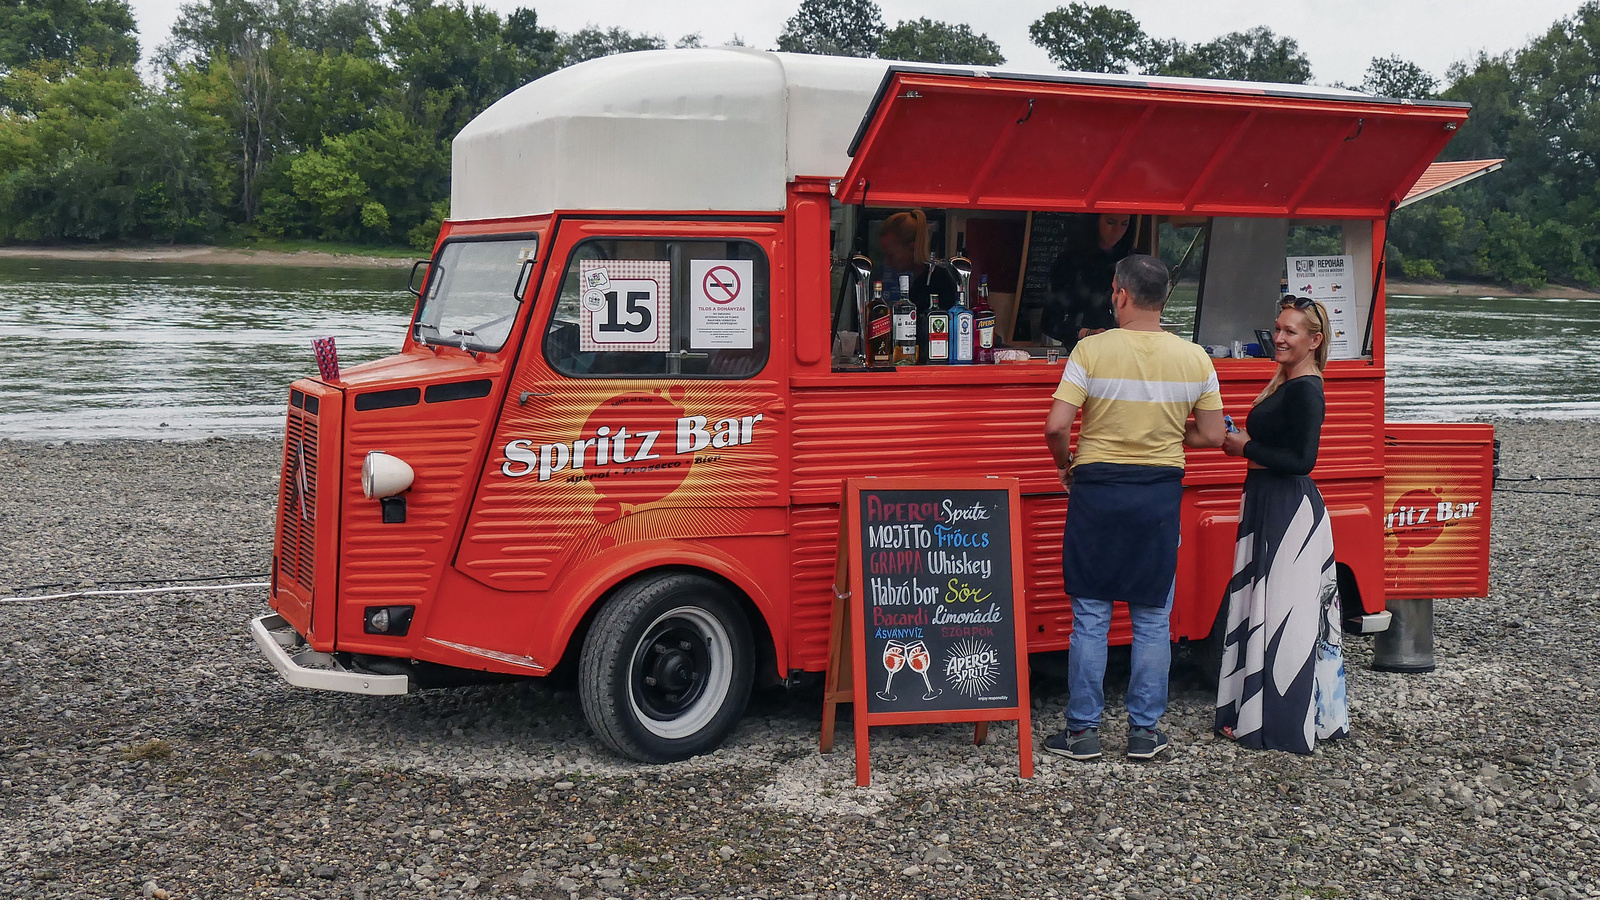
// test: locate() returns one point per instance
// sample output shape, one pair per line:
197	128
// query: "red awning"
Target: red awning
944	139
1442	176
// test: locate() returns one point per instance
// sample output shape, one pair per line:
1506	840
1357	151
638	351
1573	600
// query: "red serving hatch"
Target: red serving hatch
980	140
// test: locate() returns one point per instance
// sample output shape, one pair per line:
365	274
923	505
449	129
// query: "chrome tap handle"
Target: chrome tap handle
862	265
963	270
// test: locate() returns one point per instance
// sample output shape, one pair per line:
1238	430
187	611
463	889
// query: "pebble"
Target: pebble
149	743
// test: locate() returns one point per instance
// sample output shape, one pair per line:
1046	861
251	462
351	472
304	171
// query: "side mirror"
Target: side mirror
521	287
412	284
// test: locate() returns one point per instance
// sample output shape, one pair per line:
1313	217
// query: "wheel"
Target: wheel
1206	654
667	667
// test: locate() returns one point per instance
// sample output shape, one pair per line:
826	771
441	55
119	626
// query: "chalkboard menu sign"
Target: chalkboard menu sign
931	628
1048	235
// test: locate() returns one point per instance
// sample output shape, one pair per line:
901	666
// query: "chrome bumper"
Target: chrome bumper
304	667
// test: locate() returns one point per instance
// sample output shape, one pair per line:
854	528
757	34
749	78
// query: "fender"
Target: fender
586	584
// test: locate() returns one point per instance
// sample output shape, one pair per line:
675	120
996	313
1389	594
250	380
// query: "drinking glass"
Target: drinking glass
894	659
918	657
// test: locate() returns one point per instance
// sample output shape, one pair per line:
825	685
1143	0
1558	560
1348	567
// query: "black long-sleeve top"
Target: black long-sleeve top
1080	293
1286	427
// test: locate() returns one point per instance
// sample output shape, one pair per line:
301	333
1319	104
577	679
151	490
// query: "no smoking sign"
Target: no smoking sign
721	304
721	285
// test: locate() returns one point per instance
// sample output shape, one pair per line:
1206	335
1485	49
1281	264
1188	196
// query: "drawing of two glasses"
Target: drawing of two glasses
896	656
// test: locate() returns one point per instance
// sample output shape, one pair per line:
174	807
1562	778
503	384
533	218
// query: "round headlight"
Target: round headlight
383	475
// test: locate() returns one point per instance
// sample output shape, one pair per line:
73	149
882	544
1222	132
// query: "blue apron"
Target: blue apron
1121	539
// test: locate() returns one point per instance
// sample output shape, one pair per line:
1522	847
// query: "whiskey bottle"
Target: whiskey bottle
938	333
983	321
905	327
880	336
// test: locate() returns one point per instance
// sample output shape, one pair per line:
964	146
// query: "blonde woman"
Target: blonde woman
1282	684
903	240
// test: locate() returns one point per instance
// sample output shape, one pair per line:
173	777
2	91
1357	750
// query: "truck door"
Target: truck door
644	406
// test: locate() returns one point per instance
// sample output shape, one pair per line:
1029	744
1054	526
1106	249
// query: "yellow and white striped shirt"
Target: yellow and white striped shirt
1136	389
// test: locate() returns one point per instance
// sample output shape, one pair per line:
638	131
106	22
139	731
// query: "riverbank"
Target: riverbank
206	255
1473	289
152	746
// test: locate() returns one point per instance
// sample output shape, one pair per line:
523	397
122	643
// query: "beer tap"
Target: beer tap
862	265
963	269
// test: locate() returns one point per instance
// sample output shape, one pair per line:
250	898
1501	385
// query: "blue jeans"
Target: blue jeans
1086	662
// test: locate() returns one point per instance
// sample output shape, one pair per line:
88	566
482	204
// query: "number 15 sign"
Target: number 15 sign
623	305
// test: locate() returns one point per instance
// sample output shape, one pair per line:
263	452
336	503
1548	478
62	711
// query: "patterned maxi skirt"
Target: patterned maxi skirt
1282	684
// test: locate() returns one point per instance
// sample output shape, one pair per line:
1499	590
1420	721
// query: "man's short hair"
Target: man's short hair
1146	278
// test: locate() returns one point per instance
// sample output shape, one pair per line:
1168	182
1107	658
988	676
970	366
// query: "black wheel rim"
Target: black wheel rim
670	669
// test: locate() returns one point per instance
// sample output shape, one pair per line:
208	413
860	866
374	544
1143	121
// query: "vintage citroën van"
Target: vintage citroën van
612	442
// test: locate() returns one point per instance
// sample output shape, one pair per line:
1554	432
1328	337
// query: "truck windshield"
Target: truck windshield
470	302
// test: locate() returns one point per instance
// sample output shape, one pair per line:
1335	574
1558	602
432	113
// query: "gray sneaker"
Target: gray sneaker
1079	745
1145	743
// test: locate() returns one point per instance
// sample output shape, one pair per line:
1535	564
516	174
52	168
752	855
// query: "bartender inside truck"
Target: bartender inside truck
1079	302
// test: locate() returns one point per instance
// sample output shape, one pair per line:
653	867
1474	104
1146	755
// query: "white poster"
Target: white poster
624	305
721	304
1330	280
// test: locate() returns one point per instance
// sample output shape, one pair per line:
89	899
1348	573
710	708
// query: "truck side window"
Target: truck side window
1247	270
652	309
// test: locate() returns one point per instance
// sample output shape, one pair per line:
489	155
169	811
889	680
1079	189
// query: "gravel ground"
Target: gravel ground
149	750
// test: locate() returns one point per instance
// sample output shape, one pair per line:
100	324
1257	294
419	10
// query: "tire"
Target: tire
1206	655
666	668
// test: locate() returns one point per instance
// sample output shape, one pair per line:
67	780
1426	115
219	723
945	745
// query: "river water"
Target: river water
144	350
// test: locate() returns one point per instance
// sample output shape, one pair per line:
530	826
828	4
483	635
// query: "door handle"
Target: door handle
522	398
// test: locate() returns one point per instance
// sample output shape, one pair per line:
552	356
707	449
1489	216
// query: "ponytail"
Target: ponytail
910	228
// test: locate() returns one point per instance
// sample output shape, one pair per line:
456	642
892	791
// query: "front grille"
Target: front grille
297	544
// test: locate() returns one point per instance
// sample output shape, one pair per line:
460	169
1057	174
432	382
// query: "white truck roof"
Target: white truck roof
690	130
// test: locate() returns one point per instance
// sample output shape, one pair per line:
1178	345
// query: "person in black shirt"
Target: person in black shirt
1079	302
1282	685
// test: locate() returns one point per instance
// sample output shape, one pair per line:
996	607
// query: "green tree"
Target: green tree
38	30
1391	76
451	61
1084	38
99	157
593	43
1504	252
538	47
833	28
925	40
1254	55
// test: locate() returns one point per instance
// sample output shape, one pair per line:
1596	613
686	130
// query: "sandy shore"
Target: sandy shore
1489	290
205	255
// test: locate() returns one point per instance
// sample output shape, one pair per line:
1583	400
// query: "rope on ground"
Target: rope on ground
40	587
1506	490
126	592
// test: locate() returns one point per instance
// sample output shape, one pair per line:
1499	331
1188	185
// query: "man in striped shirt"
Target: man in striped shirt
1137	386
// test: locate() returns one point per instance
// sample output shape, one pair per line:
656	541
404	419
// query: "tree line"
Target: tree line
332	119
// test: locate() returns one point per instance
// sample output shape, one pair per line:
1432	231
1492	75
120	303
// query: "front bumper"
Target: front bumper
303	667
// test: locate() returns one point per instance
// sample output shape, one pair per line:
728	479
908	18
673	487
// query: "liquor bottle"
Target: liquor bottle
905	327
983	319
960	332
938	333
880	336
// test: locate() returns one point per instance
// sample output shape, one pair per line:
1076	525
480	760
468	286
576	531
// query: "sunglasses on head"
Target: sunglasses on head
1302	304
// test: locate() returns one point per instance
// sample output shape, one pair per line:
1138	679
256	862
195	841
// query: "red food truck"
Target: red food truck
612	443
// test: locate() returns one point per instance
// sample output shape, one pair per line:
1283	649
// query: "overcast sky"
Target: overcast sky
1340	38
